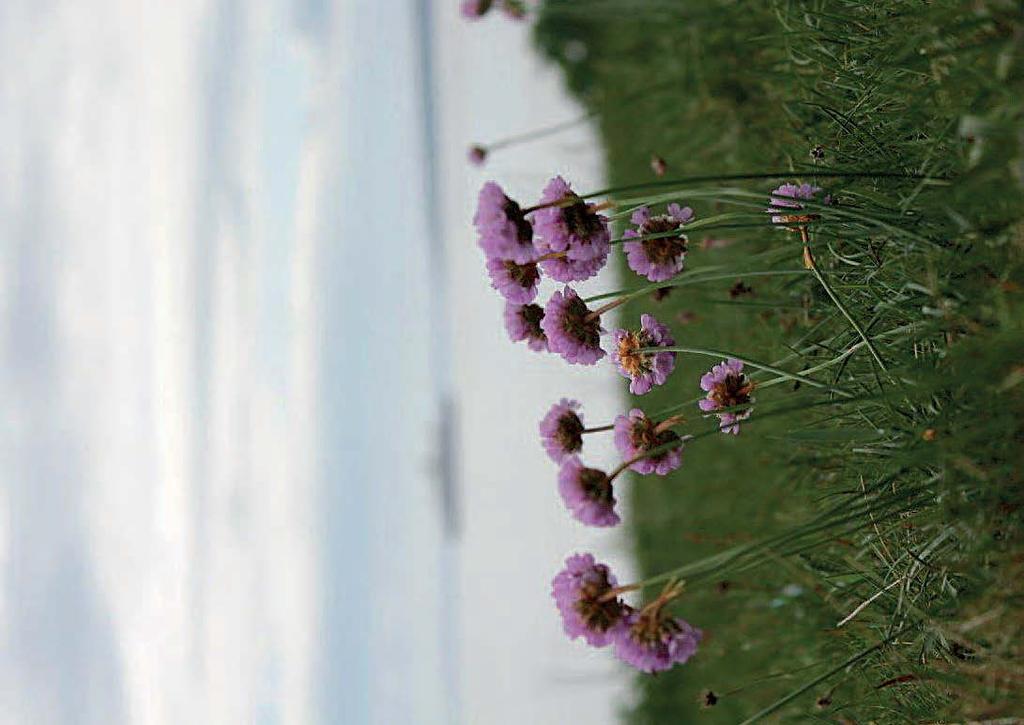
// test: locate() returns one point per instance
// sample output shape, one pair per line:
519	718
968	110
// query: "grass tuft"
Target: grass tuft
903	603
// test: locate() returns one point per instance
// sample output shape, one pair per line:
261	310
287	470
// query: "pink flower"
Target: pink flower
636	433
476	154
504	231
522	322
516	282
572	237
581	592
570	330
644	369
587	493
654	642
561	430
782	206
660	258
727	386
474	9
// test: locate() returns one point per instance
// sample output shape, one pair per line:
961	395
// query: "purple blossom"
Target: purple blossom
587	493
781	202
516	282
562	269
572	237
580	592
727	386
505	232
473	9
476	154
636	433
570	330
523	322
653	642
644	370
561	430
662	258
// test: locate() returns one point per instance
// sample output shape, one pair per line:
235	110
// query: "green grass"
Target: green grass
936	89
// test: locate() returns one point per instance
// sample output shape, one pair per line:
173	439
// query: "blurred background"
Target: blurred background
266	453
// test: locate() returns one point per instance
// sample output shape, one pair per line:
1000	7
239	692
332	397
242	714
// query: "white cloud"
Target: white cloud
161	563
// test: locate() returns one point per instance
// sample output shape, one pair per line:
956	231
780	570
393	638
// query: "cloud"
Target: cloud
158	559
59	660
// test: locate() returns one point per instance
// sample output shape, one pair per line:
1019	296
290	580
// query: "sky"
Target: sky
247	350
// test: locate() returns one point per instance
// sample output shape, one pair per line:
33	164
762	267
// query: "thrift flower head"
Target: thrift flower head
516	282
587	493
505	233
644	369
783	203
473	9
636	433
476	154
523	322
653	642
726	386
581	593
571	332
561	430
572	237
661	258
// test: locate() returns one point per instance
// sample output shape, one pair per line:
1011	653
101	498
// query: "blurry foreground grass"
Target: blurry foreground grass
934	282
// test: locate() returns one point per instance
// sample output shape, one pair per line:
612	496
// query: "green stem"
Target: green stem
767	175
849	317
818	680
748	361
691	279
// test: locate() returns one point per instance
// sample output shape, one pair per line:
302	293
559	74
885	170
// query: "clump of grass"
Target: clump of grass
913	610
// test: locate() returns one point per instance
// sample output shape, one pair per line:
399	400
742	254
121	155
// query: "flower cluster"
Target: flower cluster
647	446
588	597
566	238
562	237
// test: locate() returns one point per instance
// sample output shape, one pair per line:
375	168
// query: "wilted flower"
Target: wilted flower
652	641
727	386
523	322
584	596
644	369
587	493
473	9
783	203
476	154
516	282
636	433
571	332
561	430
740	289
505	233
661	258
573	238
